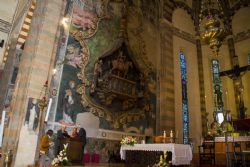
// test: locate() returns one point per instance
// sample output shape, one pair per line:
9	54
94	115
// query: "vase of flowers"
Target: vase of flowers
128	140
61	159
163	161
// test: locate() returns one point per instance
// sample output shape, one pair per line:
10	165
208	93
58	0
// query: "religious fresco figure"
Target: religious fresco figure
83	16
73	56
68	102
32	114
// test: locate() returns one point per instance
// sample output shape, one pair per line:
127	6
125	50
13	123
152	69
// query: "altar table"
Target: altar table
181	154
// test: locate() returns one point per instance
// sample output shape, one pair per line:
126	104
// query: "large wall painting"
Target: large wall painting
101	74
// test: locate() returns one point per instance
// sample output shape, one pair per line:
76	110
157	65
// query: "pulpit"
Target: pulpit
75	149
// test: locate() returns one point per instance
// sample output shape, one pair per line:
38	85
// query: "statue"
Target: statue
121	65
218	94
69	100
236	74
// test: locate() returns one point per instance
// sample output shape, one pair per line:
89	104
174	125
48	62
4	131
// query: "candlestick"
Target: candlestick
171	134
164	134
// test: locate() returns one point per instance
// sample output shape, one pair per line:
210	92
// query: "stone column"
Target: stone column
237	81
35	69
166	78
202	89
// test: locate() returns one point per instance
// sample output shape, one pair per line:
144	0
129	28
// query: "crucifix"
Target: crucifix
236	74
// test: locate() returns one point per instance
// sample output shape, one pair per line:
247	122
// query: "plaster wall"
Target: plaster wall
189	49
241	21
7	9
182	20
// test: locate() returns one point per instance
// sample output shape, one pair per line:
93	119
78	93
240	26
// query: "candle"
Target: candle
164	134
48	110
226	100
2	128
171	134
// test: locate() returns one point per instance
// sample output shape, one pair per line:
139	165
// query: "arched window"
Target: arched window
217	91
185	115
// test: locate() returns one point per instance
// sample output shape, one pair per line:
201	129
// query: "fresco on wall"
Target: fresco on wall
32	114
101	74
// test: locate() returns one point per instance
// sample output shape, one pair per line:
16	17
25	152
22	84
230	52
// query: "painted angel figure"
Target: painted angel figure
73	56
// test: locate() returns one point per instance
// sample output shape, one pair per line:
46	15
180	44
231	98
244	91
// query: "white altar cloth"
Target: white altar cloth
181	154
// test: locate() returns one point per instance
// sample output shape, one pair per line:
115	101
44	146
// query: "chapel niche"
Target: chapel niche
117	82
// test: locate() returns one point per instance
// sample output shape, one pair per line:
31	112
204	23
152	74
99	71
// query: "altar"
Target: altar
181	154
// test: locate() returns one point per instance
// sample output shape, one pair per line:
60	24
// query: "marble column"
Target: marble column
237	82
35	69
166	78
202	89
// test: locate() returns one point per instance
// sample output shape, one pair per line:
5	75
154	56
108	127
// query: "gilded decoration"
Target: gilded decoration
118	91
105	71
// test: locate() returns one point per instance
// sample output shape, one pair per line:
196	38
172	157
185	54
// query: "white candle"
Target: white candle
226	100
171	134
164	134
2	128
48	110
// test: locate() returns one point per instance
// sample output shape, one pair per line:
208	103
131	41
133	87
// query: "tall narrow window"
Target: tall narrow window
248	58
185	115
217	87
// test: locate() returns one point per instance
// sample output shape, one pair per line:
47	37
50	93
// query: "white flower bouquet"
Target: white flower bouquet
128	140
61	158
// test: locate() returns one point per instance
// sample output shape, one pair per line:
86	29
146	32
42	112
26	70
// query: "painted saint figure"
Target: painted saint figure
68	102
32	115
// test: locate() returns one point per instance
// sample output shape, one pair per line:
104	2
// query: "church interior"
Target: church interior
124	82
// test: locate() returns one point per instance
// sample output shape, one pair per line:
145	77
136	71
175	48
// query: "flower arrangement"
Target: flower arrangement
128	140
61	158
163	161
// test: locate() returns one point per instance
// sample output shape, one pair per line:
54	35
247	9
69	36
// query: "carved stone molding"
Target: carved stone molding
5	26
242	36
184	35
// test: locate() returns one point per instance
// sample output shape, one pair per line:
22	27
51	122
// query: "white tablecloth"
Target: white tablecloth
181	154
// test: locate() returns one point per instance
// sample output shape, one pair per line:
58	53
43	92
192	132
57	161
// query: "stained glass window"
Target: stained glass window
185	115
217	90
